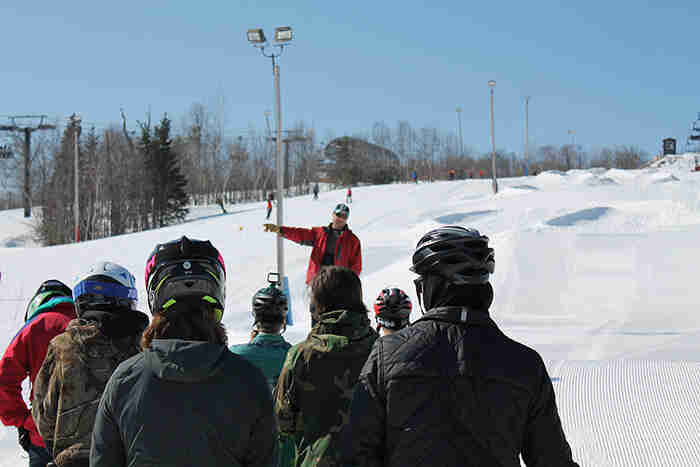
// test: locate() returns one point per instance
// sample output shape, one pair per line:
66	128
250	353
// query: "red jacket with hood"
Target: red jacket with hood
348	251
24	357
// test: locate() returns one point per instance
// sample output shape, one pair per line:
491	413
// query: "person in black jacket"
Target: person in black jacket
452	389
186	399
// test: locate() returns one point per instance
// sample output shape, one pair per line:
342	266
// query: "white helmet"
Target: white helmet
105	285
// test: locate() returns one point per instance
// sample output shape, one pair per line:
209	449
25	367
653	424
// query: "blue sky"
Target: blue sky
614	72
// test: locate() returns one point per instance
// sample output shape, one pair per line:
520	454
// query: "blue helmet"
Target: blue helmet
105	286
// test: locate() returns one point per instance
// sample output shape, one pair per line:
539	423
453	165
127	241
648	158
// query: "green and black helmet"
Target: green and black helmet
185	270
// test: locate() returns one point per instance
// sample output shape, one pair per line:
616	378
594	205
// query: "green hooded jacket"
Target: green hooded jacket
315	387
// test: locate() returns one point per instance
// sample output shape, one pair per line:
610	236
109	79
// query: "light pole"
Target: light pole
75	123
459	121
527	137
283	35
573	148
492	84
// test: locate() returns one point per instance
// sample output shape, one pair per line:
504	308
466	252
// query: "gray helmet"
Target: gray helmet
458	255
269	305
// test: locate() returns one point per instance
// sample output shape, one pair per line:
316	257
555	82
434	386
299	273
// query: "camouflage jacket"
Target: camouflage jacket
314	390
69	385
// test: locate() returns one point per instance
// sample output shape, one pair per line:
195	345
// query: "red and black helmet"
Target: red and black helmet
392	308
185	270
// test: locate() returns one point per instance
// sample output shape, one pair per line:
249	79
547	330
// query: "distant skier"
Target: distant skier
269	207
414	176
315	190
348	196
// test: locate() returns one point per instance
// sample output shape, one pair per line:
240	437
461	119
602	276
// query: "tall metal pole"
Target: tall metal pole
527	139
75	121
492	84
461	142
27	174
280	170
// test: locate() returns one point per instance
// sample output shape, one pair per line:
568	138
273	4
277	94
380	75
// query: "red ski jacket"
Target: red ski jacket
24	357
348	251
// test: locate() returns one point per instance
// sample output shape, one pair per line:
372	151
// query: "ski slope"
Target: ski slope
595	269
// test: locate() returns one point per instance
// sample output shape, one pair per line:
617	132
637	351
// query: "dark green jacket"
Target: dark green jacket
315	387
267	352
185	403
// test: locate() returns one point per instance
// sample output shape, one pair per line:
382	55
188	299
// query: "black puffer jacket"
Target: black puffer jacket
453	390
185	403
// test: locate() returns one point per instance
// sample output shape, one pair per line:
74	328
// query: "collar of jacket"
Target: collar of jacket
268	339
56	305
184	361
458	315
116	324
351	324
329	227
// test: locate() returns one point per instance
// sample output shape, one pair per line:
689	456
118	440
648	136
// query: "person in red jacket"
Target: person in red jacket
334	244
48	314
269	207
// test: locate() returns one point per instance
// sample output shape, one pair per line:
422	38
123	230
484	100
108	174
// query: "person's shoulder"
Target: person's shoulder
240	349
523	350
295	351
129	370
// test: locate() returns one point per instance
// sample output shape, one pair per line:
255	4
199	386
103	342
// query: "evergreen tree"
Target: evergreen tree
173	206
167	188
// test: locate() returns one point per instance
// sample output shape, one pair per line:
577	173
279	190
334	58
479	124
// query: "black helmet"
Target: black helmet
48	290
459	255
392	308
269	305
185	270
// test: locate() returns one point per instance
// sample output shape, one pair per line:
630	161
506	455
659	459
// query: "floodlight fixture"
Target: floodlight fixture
256	36
283	34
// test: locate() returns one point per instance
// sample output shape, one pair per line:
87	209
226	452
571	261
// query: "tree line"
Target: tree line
143	178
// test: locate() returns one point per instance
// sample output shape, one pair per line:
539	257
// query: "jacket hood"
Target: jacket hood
184	361
351	324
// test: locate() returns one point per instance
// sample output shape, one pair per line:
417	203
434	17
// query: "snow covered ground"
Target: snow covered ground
595	269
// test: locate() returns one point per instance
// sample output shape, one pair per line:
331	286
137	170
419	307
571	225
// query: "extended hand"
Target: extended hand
271	228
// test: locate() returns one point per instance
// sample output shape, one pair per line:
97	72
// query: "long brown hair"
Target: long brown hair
186	324
336	288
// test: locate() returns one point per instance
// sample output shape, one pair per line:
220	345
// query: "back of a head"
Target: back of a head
269	309
453	262
186	286
336	288
106	294
392	309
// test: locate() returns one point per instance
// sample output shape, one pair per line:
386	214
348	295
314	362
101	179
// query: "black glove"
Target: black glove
24	440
